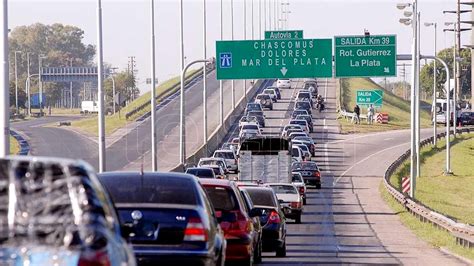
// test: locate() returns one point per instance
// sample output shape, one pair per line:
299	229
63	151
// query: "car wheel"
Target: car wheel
281	251
304	201
298	219
318	186
271	108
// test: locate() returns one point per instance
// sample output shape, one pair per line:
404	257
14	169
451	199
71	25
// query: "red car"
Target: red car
243	239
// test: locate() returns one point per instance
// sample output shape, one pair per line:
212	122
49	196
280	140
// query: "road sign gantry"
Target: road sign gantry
365	56
258	59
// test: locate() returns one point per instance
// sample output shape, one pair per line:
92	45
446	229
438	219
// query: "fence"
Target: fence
464	233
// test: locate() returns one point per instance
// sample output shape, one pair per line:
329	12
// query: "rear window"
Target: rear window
150	189
298	122
255	113
253	127
302	104
223	199
225	155
309	166
201	172
261	197
302	95
296	178
282	189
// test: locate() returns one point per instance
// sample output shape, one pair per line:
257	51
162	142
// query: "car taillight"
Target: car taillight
195	230
238	228
274	218
295	205
96	258
301	190
317	174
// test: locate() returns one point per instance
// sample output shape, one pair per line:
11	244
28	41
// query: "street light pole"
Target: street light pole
16	82
265	15
232	33
100	89
253	36
245	38
204	80
70	88
260	19
4	83
154	159
27	87
221	90
417	91
40	62
182	122
433	106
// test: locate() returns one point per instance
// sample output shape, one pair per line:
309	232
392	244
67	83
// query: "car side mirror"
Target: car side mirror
256	212
280	201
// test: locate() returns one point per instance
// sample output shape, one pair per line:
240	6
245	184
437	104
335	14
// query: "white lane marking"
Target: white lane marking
369	135
388	139
365	159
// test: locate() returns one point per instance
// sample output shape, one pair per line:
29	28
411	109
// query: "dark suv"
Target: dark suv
58	214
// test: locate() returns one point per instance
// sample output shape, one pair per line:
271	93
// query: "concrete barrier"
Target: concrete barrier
216	139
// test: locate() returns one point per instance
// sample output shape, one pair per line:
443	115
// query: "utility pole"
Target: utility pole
232	33
260	19
4	83
131	70
28	83
221	91
204	69
16	82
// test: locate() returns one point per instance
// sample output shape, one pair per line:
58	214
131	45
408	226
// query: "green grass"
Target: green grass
449	195
116	121
14	146
397	108
425	231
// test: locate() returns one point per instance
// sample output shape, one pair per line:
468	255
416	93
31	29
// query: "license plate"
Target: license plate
306	173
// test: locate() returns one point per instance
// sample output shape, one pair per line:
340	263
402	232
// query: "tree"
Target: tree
58	43
124	82
426	73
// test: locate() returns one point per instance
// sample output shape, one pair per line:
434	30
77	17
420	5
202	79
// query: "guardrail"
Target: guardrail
464	233
174	88
350	115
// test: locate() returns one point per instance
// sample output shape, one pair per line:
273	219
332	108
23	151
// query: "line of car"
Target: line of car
59	212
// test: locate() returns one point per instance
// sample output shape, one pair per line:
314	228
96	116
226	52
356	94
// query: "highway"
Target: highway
347	221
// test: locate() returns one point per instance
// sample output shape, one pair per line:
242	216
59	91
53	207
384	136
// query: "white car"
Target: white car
298	181
297	153
214	161
290	199
304	148
229	157
302	122
284	133
250	127
219	173
272	94
284	83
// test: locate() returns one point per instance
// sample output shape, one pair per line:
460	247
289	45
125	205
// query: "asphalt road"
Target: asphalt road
45	140
347	221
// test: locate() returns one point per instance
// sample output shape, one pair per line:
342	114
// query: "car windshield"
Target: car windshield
150	189
305	166
269	91
224	154
201	172
298	122
223	199
261	197
303	95
212	162
284	189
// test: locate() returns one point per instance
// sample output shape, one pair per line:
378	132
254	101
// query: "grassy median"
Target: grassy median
397	108
14	146
450	195
116	121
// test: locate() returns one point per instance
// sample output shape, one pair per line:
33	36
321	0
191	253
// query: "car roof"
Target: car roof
211	159
280	184
224	150
199	168
216	182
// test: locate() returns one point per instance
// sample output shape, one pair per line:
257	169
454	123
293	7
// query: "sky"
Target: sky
126	25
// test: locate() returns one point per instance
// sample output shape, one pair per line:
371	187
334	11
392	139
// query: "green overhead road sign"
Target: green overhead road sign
298	58
286	34
365	56
367	97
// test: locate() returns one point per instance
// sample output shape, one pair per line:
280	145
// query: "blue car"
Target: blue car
167	217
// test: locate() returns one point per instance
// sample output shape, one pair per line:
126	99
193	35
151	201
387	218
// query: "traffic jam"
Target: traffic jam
227	209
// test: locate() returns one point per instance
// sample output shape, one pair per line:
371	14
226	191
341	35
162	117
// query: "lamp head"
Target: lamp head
402	6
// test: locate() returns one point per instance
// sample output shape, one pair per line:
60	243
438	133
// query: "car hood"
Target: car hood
38	256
